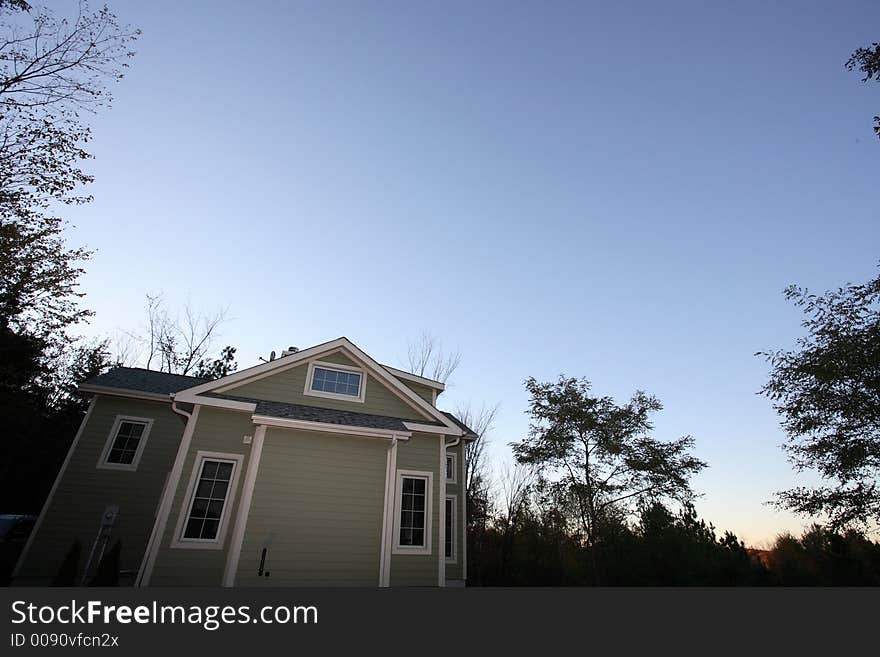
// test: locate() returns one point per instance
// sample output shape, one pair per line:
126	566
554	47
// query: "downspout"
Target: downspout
388	513
187	416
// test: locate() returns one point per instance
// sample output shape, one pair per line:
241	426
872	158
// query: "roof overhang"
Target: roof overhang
124	392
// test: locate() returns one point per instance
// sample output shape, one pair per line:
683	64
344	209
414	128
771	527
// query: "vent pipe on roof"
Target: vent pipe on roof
289	350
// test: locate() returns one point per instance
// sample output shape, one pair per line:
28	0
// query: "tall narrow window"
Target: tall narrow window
126	443
209	500
412	511
450	528
413	518
450	468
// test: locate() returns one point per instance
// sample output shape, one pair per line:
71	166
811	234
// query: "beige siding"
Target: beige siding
421	452
85	491
317	510
216	431
289	385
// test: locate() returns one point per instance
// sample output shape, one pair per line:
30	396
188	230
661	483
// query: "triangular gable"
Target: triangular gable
342	345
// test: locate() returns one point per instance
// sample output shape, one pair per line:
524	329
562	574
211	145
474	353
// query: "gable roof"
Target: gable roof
378	371
137	379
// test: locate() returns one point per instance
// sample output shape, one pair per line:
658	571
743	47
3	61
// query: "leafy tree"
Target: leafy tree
827	391
867	61
219	367
599	455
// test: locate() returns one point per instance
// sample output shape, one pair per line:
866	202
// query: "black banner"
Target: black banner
453	621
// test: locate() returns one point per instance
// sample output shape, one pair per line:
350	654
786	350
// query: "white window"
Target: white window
450	528
126	443
412	518
450	468
209	497
335	381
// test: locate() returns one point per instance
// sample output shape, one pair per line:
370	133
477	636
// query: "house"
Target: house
319	468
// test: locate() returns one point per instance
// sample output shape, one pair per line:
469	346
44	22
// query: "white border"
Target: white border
454	498
130	467
244	507
429	516
362	390
216	543
145	572
387	516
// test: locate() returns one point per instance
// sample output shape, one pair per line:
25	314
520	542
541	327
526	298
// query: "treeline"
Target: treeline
661	548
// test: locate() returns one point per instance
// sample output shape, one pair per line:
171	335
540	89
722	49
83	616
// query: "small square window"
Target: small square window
125	444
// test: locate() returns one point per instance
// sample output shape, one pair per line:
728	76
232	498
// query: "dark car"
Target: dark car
14	532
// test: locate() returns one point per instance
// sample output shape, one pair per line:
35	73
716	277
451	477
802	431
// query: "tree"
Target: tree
867	61
178	345
427	358
827	391
51	71
599	456
476	477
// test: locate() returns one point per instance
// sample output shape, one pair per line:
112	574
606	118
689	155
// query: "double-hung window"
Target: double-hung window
209	497
412	522
126	443
335	381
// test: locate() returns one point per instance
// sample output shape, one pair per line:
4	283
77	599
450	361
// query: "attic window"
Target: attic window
335	381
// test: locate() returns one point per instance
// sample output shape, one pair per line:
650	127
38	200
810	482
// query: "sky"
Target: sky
617	191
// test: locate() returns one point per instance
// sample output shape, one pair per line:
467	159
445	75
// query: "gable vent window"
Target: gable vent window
126	443
337	382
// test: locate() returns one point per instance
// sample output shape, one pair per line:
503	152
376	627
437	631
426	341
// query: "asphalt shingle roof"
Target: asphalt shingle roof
135	378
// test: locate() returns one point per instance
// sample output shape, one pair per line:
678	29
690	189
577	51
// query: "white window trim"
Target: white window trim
333	395
130	467
178	541
454	457
454	499
429	515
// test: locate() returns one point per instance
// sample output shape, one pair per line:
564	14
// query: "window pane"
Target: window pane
193	529
209	529
450	528
224	471
209	469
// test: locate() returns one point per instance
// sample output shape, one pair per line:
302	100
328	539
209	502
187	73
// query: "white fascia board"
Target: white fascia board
124	392
305	425
432	428
415	378
186	397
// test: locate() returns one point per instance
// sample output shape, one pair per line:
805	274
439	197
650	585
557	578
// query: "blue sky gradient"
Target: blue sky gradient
618	191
